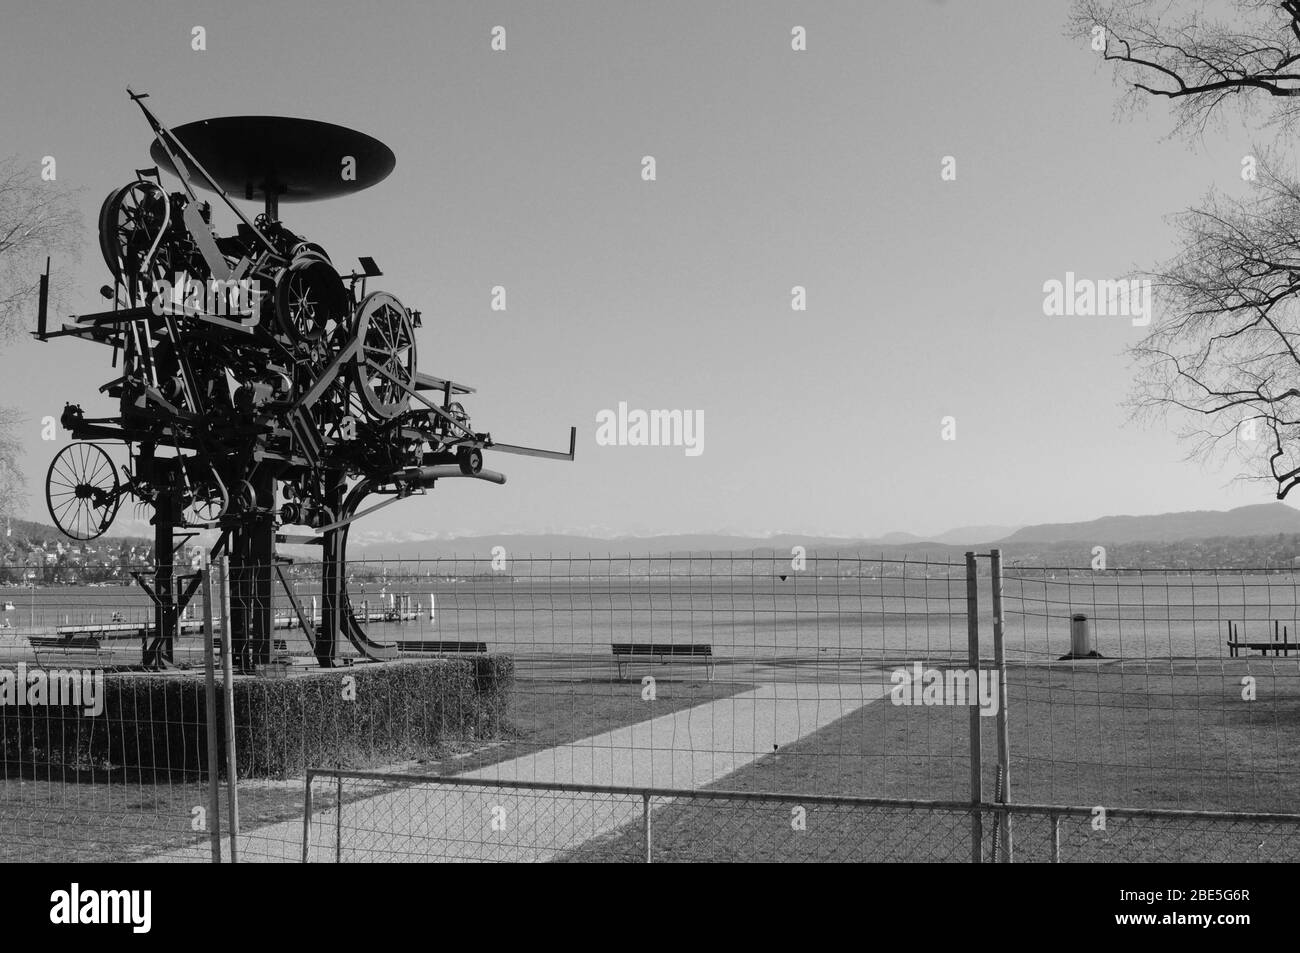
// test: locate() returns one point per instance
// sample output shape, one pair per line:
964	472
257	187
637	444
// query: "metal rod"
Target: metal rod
645	820
976	759
306	816
1000	666
228	683
210	703
166	139
710	794
338	824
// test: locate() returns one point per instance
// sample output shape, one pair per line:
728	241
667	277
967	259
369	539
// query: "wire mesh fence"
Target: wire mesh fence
770	674
1191	700
1047	834
362	817
425	819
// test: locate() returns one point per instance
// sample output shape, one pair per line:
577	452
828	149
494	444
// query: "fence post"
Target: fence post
228	684
306	817
645	821
1004	737
1056	839
210	703
338	822
976	758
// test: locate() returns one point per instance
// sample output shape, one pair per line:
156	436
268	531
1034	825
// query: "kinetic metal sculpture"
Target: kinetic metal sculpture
259	389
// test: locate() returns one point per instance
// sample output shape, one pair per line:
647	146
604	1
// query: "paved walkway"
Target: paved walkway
690	748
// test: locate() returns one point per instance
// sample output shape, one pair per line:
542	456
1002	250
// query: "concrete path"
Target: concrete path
690	748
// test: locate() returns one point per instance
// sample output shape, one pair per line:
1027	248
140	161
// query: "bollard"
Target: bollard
1081	639
1080	635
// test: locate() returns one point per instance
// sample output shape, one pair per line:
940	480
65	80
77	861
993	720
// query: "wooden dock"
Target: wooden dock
127	631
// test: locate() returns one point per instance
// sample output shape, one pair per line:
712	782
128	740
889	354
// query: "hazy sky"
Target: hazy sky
775	168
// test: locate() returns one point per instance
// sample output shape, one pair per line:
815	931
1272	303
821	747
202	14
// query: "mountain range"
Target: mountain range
1244	522
1263	519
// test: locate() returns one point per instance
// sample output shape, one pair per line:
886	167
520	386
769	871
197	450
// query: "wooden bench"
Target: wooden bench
627	652
64	644
1276	645
443	648
277	645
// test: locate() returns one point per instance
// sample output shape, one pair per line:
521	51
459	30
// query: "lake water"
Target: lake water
767	618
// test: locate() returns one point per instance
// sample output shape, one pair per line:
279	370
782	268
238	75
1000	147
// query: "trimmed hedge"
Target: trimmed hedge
153	726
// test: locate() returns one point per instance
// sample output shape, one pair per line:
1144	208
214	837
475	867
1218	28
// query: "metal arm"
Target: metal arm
167	140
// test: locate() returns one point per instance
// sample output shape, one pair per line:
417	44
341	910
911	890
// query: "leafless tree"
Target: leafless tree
1201	55
1223	348
1222	355
37	219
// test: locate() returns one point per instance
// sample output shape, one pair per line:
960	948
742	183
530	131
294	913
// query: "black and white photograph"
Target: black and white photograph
832	432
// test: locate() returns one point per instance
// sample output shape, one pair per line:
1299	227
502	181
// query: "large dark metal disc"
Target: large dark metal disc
298	160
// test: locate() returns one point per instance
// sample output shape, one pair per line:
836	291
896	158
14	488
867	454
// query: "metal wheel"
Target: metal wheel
310	300
82	491
245	497
131	223
309	249
470	459
207	503
385	368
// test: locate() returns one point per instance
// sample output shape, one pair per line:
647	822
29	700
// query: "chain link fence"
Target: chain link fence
797	682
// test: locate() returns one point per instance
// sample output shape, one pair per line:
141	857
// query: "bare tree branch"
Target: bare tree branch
37	218
1223	350
1186	52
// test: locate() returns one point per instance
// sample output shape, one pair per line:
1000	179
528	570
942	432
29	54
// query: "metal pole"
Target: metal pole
338	824
210	699
976	759
306	816
645	823
1000	665
228	683
1056	839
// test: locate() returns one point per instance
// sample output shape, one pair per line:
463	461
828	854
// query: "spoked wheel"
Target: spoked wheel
310	300
131	222
82	491
201	494
207	503
385	368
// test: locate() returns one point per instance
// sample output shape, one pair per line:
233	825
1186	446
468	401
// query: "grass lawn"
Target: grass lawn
1138	735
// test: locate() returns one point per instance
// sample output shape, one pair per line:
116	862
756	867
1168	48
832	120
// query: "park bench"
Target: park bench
1276	645
443	648
65	645
277	645
627	652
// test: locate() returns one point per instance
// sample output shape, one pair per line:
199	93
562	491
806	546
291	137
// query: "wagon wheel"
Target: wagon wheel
82	491
385	367
131	221
310	300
